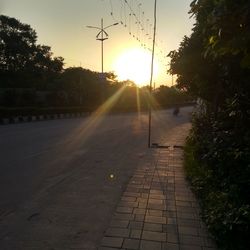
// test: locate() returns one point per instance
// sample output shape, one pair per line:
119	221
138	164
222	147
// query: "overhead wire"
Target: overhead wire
132	17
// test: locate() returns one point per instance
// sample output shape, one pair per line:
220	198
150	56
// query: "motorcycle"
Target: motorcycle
176	111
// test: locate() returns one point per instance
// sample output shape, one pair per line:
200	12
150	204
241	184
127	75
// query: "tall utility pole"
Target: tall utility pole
151	79
102	36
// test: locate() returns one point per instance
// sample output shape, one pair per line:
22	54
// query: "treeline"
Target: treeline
31	77
214	65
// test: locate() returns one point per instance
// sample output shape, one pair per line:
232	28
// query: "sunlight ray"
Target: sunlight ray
89	126
138	101
152	101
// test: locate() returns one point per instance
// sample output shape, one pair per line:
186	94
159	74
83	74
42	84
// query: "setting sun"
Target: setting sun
135	64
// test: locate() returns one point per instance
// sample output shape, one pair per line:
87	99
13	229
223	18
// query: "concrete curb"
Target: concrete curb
34	118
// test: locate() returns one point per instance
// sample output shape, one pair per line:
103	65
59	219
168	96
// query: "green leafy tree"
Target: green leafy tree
213	64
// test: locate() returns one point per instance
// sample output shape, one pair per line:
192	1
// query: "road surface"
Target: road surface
60	180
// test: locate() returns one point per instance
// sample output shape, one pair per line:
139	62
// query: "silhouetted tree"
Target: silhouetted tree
23	63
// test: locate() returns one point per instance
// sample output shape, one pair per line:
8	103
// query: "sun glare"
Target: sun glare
135	64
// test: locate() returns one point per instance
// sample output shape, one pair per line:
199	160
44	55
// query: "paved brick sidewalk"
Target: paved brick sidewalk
158	210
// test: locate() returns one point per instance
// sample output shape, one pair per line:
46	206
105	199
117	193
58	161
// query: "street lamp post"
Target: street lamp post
102	36
151	77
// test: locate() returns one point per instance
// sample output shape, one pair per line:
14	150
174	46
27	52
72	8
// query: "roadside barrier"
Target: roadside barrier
24	119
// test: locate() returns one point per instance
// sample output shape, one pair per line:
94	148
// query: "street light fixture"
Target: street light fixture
102	36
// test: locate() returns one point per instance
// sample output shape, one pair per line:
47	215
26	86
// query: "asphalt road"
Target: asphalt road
60	180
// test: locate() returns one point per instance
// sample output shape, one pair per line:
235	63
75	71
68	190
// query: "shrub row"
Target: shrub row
217	163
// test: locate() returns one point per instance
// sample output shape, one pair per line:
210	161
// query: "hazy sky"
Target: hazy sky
61	24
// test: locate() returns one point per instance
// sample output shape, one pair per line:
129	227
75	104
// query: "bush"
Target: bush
217	163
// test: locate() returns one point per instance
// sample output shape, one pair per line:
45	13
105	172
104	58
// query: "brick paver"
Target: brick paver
158	209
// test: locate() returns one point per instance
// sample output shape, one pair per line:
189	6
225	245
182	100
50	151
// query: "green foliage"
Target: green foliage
213	62
213	65
225	27
218	168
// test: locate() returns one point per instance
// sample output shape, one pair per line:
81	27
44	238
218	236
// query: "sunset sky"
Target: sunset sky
61	24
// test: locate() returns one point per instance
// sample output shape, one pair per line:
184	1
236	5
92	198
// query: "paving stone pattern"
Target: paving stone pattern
158	210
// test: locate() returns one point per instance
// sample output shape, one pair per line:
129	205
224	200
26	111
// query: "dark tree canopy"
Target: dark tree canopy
20	55
17	44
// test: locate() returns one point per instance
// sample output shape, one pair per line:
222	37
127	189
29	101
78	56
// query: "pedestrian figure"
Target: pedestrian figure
176	111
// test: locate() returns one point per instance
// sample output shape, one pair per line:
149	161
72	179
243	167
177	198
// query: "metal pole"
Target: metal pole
102	43
101	33
151	80
149	125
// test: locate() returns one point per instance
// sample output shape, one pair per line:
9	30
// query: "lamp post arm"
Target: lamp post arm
93	27
111	25
100	36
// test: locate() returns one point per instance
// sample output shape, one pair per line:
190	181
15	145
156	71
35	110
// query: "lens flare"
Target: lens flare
135	64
